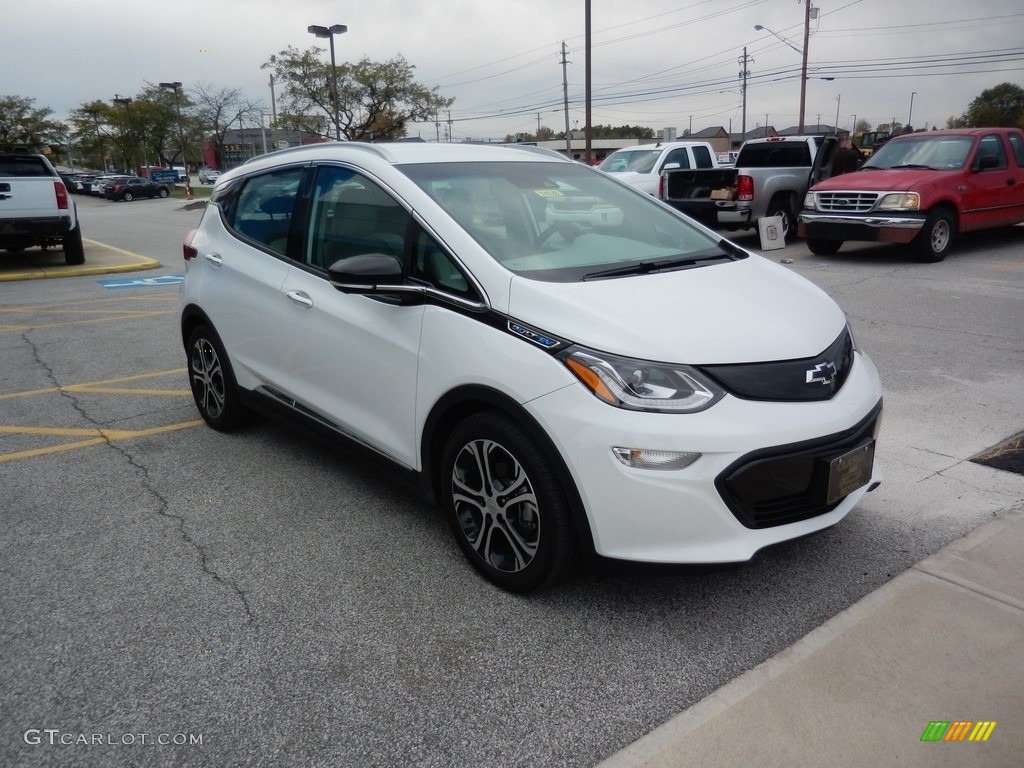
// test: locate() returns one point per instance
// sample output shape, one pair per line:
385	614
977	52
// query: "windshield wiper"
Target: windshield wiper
646	267
912	165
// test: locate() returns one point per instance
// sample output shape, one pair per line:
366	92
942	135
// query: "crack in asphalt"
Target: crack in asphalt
163	508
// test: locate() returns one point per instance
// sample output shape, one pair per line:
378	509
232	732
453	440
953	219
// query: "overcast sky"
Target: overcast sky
655	63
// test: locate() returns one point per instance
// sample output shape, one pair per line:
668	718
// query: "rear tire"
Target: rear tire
213	382
781	207
505	505
127	197
74	251
935	238
824	247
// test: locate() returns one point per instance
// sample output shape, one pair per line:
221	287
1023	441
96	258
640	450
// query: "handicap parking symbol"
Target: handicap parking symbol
142	282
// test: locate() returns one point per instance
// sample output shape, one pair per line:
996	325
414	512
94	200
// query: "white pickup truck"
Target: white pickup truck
36	208
641	166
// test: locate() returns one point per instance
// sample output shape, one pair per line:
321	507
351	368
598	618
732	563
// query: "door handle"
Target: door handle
300	298
213	258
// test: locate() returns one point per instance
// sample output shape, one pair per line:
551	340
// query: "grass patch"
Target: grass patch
1007	455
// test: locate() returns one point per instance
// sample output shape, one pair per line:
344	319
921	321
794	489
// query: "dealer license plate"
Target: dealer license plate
850	471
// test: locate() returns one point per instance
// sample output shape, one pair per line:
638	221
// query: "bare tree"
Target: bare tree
218	108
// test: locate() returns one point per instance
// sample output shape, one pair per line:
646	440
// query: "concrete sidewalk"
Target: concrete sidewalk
943	641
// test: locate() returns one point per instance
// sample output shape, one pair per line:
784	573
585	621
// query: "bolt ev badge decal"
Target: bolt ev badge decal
823	373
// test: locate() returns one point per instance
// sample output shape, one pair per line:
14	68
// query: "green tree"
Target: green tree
23	125
1001	106
375	99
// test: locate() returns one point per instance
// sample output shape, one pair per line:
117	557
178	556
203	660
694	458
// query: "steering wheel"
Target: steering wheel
567	229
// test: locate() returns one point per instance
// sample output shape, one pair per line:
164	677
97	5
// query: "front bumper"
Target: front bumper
706	512
895	228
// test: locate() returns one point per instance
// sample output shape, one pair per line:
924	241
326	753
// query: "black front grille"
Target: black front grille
806	379
789	483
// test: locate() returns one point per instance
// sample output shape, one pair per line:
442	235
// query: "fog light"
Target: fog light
641	458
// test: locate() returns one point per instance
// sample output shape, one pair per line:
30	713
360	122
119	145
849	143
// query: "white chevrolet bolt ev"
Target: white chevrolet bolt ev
562	362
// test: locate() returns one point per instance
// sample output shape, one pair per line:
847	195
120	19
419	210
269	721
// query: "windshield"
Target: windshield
924	151
632	160
563	221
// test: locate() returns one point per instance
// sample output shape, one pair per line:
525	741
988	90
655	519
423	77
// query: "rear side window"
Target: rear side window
263	210
678	155
775	154
702	156
1018	148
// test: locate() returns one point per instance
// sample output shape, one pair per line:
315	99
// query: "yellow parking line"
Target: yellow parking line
101	435
130	391
99	384
152	313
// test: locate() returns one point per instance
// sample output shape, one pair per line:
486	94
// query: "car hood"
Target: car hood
870	179
737	312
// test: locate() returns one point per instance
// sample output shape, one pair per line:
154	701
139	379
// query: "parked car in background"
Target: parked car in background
641	166
562	363
101	184
128	189
921	189
208	175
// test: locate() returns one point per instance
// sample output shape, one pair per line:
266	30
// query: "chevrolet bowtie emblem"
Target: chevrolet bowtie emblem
822	373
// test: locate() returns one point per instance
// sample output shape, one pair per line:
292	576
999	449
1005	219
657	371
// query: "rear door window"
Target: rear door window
264	207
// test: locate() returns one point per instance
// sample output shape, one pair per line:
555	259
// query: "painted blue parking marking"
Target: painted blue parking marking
141	282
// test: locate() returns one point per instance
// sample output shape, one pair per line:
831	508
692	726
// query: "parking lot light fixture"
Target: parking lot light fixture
329	33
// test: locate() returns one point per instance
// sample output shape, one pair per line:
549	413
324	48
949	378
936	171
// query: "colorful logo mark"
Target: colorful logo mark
958	730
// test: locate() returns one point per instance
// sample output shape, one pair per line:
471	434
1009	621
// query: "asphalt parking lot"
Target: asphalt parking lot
196	598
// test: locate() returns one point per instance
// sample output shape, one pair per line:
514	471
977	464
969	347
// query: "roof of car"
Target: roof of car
418	152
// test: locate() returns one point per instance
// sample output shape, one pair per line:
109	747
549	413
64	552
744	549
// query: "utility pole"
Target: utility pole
565	102
744	72
586	10
803	66
273	115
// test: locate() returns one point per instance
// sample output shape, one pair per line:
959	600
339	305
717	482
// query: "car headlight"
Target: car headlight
810	201
641	385
900	201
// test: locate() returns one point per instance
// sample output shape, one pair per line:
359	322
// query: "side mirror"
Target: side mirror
987	161
365	273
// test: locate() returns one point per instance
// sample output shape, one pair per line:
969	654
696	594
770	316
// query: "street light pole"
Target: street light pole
911	113
329	33
124	101
181	134
803	57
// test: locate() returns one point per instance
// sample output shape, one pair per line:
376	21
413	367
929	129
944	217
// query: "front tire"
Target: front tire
824	247
213	382
74	251
935	238
505	505
162	193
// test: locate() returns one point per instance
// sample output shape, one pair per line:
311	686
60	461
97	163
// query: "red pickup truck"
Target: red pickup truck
921	189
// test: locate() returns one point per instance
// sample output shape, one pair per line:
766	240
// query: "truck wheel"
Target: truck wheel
935	238
74	251
824	247
780	207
